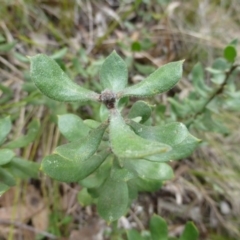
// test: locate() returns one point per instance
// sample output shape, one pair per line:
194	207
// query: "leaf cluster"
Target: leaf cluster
116	158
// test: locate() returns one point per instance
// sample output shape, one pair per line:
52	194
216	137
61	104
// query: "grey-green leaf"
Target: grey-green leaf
174	134
72	127
150	170
126	144
5	156
158	228
114	73
190	232
171	133
74	161
162	80
113	200
140	109
81	150
52	81
5	128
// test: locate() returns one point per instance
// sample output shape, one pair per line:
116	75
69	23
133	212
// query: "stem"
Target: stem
212	96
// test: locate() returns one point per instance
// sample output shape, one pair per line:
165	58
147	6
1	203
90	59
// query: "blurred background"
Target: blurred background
79	34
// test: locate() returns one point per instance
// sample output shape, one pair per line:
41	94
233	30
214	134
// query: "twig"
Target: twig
213	95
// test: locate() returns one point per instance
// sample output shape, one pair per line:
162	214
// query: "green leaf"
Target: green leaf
54	83
162	80
96	179
6	177
230	53
5	128
5	156
74	161
114	73
84	198
140	109
158	228
113	200
28	168
171	133
126	144
190	232
174	134
23	141
145	185
134	235
72	127
150	170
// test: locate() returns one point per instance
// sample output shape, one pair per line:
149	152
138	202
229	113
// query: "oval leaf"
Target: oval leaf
150	170
113	200
158	228
5	128
190	232
5	156
74	161
126	144
230	53
170	133
162	80
72	127
176	135
52	81
114	73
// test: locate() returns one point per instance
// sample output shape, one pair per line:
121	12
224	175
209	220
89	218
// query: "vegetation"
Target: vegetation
104	146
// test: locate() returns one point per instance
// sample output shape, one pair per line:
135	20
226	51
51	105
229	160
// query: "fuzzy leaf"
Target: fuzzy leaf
74	161
72	127
140	109
190	232
5	156
24	140
150	170
162	80
174	134
5	128
126	144
114	73
113	200
170	133
158	228
54	83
